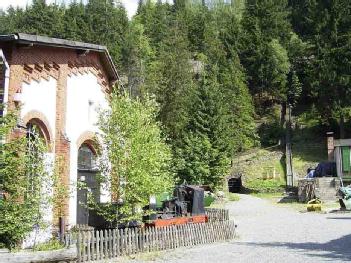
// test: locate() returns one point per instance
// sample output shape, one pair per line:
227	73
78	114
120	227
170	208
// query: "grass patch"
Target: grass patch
233	197
264	186
272	195
53	244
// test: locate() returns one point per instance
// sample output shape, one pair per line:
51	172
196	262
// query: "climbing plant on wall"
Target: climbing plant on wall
23	183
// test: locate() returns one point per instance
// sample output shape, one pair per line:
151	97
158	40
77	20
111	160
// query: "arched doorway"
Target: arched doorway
87	175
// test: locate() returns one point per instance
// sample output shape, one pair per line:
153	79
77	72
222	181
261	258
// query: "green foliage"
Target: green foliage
141	70
53	244
136	161
264	186
295	89
266	28
203	157
43	19
23	175
208	63
233	197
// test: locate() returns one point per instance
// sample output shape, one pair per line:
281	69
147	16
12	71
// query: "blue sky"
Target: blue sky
131	5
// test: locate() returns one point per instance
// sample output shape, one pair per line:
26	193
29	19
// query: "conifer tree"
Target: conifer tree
139	61
76	22
107	26
330	70
43	19
202	157
176	84
263	52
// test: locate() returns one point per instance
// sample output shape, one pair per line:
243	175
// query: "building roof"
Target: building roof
22	38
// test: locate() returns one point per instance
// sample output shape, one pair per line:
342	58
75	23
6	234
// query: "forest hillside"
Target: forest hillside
225	74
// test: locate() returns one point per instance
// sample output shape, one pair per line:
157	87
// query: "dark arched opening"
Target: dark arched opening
87	178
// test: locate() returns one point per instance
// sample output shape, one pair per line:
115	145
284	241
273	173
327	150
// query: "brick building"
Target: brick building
59	86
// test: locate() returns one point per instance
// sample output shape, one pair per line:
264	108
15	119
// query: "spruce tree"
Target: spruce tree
76	22
176	84
43	19
107	26
265	39
202	157
330	70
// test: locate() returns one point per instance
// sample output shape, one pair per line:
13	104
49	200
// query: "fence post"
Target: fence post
114	243
97	245
120	241
79	246
101	244
88	246
83	247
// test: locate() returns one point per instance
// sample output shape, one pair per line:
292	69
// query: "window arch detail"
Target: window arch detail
38	120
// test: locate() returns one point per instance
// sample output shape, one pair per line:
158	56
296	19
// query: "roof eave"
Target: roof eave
22	38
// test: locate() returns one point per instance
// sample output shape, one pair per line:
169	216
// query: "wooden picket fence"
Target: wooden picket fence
107	244
217	215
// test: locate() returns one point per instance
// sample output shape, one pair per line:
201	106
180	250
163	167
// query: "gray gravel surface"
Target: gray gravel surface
271	233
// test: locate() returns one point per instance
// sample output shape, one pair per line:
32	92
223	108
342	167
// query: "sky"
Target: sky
131	5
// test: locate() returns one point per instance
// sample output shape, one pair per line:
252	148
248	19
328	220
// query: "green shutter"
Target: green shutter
345	152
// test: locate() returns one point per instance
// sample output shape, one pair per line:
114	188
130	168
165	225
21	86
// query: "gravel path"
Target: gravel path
270	233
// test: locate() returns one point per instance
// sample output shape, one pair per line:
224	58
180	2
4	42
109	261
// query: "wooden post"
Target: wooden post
93	242
88	246
147	243
120	243
97	245
83	247
114	243
101	244
79	245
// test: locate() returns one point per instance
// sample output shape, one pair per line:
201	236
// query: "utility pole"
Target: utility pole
288	151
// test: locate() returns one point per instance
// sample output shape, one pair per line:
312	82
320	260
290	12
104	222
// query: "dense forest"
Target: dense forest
223	72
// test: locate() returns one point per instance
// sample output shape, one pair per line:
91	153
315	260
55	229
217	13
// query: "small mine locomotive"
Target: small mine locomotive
184	207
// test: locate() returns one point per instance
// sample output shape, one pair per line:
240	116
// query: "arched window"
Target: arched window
34	154
86	158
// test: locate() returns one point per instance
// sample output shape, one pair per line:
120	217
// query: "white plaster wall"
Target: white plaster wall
84	97
40	96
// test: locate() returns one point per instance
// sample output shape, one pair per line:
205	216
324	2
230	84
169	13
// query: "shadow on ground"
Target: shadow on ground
332	250
288	199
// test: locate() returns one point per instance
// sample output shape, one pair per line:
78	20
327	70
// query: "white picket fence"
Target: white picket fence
107	244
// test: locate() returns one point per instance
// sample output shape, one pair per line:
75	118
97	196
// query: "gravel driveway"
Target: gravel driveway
271	233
